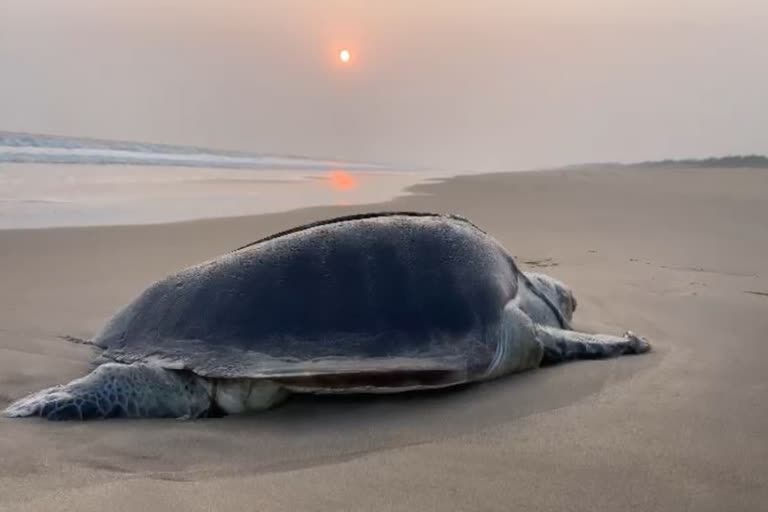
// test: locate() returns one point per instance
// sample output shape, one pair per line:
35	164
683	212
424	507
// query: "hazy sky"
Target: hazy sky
484	85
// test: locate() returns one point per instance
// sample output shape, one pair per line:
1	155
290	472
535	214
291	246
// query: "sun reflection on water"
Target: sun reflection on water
342	180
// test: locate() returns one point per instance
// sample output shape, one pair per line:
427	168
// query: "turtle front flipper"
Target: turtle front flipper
561	345
117	390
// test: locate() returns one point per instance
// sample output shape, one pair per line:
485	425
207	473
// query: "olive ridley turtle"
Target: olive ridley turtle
371	303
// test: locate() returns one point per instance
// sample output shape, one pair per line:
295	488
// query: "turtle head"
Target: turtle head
556	291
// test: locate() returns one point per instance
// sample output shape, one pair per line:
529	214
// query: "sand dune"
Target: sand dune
677	255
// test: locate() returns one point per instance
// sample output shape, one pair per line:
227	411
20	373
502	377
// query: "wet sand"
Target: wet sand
679	256
34	196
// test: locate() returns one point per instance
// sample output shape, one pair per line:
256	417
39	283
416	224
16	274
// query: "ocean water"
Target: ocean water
57	182
34	148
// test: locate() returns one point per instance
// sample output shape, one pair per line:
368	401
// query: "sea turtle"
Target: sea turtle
371	303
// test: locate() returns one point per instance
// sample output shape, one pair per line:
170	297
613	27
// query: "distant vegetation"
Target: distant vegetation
731	161
724	161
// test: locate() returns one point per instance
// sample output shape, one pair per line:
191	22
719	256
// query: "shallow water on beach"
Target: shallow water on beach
56	195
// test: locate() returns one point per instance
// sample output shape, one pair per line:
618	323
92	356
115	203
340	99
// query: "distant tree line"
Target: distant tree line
730	161
723	161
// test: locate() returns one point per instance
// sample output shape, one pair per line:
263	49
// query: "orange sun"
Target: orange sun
345	56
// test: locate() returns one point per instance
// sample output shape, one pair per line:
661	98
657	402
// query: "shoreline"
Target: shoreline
56	196
406	183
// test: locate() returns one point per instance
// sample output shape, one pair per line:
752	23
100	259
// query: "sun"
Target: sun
345	56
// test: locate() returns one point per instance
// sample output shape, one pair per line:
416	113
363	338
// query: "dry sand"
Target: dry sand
680	256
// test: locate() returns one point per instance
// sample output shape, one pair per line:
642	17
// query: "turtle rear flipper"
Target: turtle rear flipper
117	390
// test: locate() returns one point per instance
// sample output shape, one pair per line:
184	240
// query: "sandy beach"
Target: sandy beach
677	255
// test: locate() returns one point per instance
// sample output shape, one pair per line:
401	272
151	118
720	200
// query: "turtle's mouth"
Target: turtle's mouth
573	303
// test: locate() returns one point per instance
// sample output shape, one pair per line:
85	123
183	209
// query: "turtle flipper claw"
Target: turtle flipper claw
637	344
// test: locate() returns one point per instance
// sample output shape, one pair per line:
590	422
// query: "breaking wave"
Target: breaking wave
33	148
